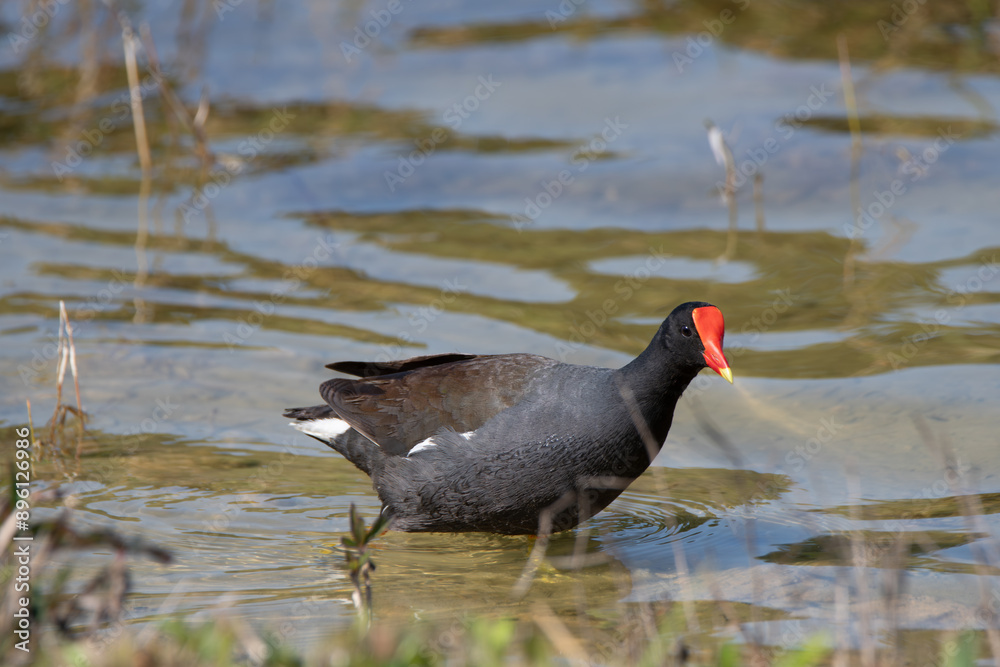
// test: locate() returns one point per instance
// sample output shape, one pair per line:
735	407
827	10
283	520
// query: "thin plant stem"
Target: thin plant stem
854	123
758	199
135	96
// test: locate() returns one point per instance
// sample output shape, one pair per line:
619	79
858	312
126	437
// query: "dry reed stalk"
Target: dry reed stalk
195	125
972	510
539	550
80	415
724	157
560	636
859	560
66	352
31	424
72	354
854	123
135	96
758	199
63	354
652	449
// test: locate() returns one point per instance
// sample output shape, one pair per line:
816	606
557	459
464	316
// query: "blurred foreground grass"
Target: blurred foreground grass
648	634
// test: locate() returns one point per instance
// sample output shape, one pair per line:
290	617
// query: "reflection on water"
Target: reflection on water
378	206
677	269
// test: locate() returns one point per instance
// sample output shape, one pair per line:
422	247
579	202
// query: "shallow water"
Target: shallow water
563	208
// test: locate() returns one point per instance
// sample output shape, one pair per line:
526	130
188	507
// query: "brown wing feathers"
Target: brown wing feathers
366	369
399	409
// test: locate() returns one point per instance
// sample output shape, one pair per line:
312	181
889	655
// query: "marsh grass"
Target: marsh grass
56	440
358	558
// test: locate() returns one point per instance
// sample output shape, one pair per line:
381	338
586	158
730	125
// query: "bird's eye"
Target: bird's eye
686	332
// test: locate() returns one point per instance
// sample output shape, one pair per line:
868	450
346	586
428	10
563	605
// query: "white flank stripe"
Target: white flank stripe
429	442
322	428
422	446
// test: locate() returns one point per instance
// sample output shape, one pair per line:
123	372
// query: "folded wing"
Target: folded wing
399	404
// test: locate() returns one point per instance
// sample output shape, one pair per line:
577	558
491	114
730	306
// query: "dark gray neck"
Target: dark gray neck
655	384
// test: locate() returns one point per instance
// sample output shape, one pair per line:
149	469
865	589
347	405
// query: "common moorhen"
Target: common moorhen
464	442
